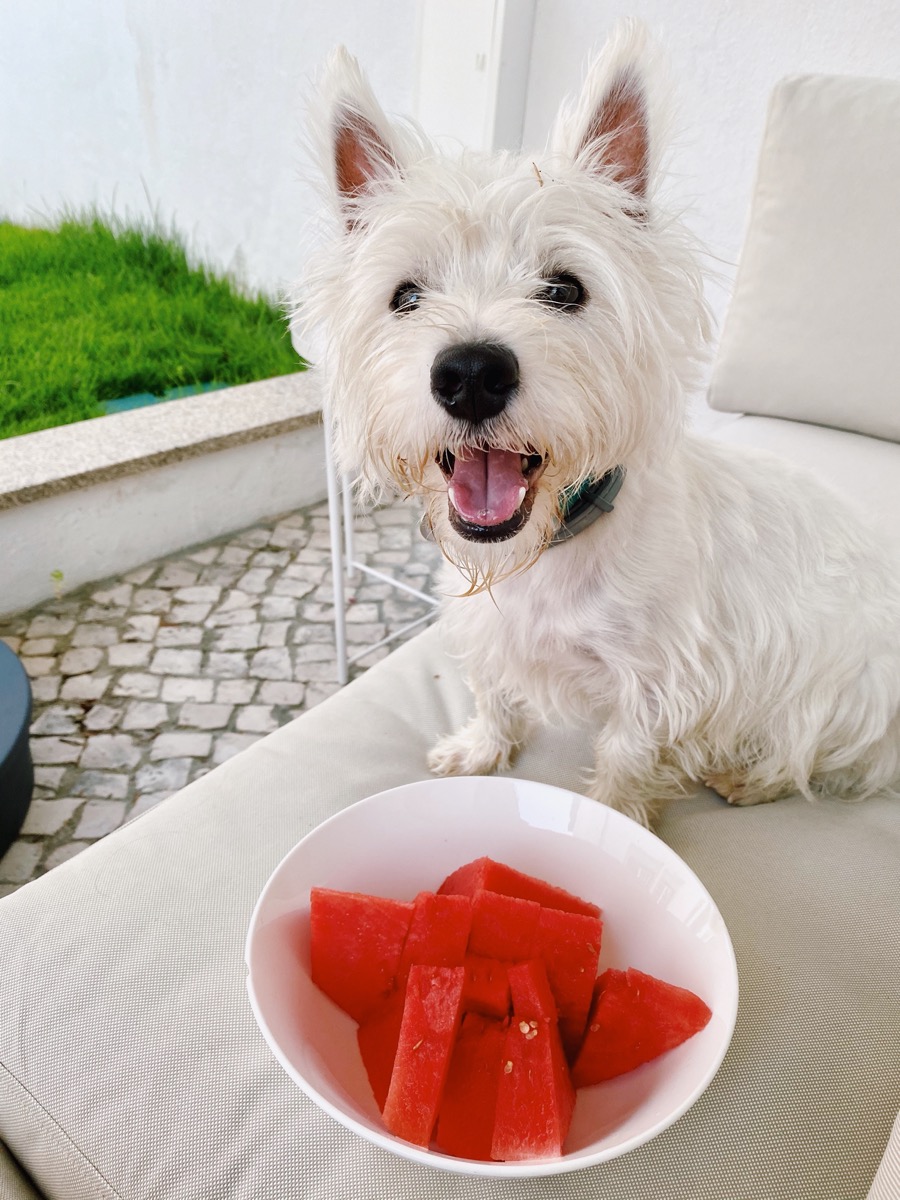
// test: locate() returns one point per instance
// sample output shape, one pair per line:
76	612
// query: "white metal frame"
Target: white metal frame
344	565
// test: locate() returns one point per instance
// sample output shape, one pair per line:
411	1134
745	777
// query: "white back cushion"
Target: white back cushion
813	329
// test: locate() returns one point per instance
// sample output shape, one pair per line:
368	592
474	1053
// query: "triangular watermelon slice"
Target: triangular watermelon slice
503	926
569	946
431	1014
535	1098
355	946
377	1036
438	933
466	1119
634	1019
486	989
486	875
530	991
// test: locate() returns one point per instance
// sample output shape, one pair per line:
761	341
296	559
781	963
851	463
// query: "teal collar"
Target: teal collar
583	505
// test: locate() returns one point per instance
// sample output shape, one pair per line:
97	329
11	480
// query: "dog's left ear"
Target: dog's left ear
359	151
607	129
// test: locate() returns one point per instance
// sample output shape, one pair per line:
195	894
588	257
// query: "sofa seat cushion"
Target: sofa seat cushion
811	330
131	1067
864	471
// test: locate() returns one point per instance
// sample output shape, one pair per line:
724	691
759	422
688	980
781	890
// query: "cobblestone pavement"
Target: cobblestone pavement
144	683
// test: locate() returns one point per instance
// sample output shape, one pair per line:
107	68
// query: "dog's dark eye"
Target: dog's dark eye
407	298
563	292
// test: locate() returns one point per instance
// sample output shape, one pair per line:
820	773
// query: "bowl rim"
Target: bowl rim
528	1168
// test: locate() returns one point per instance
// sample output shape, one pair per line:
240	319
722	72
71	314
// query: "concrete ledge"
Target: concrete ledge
57	460
99	498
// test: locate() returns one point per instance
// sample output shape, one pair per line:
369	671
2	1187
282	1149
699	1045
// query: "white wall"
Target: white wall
725	56
191	109
473	60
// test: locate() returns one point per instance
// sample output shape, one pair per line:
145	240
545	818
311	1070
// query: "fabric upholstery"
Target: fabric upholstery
864	471
886	1184
13	1184
811	331
132	1068
130	1064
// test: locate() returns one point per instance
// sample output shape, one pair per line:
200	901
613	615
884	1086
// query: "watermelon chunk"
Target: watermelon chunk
466	1119
503	926
472	1002
355	946
569	946
634	1019
438	933
428	1030
377	1036
486	989
485	875
535	1097
530	991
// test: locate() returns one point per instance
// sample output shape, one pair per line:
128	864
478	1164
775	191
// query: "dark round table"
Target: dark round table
16	769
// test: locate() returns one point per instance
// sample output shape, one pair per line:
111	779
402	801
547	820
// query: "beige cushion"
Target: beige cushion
812	331
864	471
13	1184
886	1184
132	1068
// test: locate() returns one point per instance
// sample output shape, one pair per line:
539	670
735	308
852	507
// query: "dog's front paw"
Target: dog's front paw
644	812
737	791
470	751
628	800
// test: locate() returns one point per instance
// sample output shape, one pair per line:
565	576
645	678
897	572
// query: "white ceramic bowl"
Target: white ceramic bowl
657	915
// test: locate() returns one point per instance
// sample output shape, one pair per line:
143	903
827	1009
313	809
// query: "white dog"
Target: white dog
512	339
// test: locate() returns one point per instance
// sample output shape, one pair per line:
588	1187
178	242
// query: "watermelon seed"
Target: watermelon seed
507	1067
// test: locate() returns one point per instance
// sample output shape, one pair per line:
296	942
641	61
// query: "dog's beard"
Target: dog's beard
491	511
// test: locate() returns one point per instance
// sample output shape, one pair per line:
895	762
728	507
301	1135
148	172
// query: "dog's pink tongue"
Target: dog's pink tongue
487	487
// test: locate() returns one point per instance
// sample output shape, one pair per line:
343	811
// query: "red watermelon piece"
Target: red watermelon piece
466	1119
486	989
634	1019
428	1030
530	991
535	1097
355	946
569	946
486	875
377	1036
503	926
438	933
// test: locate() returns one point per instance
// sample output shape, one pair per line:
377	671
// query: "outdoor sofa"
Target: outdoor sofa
130	1064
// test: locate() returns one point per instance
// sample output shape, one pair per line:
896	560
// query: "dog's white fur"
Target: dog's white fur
731	621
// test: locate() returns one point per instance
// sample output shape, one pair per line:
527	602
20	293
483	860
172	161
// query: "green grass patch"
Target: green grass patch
92	311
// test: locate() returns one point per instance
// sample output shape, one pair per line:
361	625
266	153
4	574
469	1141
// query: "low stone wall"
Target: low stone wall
82	502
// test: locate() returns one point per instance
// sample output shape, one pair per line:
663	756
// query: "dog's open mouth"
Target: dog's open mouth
490	491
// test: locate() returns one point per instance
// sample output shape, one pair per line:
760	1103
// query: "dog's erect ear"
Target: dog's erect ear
607	129
359	150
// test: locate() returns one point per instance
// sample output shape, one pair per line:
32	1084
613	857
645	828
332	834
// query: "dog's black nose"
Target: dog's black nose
474	380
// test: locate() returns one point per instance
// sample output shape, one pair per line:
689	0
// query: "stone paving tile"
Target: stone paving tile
142	684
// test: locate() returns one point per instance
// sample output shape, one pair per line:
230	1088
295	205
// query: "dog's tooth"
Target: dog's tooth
522	490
